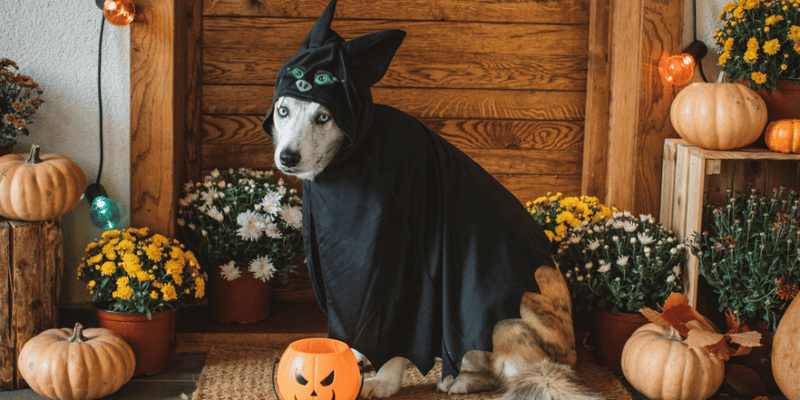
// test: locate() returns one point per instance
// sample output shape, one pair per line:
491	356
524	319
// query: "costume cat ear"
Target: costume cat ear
370	55
322	31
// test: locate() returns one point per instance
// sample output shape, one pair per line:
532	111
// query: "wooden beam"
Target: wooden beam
157	117
644	32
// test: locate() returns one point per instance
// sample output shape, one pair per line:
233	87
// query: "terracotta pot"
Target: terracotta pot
243	300
613	330
149	338
7	149
786	352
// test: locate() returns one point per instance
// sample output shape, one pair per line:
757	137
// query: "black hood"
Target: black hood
337	74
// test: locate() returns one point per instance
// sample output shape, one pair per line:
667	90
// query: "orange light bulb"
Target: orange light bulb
678	69
119	12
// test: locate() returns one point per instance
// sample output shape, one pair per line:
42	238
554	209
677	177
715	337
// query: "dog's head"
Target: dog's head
322	102
305	137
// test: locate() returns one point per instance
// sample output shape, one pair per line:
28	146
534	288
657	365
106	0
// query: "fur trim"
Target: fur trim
546	380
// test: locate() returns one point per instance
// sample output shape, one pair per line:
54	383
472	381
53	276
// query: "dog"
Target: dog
414	250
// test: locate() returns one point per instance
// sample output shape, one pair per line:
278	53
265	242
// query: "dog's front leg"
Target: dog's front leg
387	382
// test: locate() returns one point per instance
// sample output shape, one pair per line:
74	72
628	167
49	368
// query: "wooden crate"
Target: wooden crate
690	174
31	263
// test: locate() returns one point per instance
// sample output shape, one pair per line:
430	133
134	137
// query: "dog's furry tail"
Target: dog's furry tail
546	380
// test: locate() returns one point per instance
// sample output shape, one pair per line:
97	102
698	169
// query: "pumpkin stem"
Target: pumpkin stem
33	157
77	334
722	77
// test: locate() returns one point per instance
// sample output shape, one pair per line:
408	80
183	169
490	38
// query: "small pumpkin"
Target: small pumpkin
783	135
786	352
317	369
661	366
39	187
76	364
718	116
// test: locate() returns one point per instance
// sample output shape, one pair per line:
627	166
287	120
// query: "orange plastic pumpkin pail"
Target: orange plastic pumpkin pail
317	369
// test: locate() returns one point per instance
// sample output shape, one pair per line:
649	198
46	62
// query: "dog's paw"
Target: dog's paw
375	388
445	384
459	386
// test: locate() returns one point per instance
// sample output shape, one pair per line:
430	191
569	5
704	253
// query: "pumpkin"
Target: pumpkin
317	369
786	352
718	116
39	187
783	135
660	366
76	364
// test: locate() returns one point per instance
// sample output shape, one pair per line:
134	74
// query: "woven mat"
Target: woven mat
242	370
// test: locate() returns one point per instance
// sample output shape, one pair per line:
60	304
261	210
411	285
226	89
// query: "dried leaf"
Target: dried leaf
653	316
699	337
743	381
677	313
747	339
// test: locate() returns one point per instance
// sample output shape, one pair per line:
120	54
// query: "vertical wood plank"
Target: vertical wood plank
681	188
157	113
7	349
194	87
595	142
667	184
694	210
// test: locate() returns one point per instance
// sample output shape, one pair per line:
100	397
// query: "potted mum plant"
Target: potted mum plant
136	281
246	227
749	252
617	266
759	44
19	100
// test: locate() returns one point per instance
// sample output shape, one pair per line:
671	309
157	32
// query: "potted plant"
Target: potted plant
136	280
617	266
19	100
748	252
246	227
759	43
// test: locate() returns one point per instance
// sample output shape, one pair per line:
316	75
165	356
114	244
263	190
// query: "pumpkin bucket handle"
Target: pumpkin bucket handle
275	389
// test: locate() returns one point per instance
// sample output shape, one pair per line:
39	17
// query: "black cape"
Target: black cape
413	249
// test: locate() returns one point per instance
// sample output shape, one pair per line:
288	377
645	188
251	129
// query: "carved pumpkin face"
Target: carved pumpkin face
318	369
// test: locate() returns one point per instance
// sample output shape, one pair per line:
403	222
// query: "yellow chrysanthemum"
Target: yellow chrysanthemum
111	234
758	77
108	268
560	231
160	239
125	246
794	33
773	19
751	4
550	234
738	13
123	292
169	292
142	276
91	246
772	47
154	295
153	252
91	284
199	287
95	259
131	263
797	46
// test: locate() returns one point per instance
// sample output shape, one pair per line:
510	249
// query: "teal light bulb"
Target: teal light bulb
105	213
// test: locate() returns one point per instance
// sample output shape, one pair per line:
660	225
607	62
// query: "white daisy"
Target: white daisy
293	216
208	197
262	268
593	244
645	239
272	203
630	226
213	212
671	278
272	231
229	271
188	186
215	173
604	267
622	260
251	225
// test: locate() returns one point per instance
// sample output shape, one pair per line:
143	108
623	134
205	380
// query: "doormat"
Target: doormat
245	373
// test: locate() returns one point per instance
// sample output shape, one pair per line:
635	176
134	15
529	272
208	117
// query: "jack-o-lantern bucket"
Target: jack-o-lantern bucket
317	369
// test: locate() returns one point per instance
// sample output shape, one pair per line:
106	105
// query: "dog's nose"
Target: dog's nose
290	158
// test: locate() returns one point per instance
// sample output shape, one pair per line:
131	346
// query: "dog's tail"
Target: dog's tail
546	380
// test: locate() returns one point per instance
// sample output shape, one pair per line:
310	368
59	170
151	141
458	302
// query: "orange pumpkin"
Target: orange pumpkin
783	135
786	352
39	187
718	116
317	369
661	366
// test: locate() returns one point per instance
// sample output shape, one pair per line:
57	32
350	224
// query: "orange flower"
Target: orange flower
786	290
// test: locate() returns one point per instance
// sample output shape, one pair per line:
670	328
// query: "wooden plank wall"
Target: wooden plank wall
505	81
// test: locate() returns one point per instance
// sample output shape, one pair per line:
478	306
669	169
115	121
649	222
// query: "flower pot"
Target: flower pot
613	330
243	300
7	149
149	338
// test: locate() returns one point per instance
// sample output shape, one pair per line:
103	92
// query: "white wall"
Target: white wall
56	43
707	23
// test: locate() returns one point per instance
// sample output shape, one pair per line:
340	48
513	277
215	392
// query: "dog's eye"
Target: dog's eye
323	118
283	112
297	72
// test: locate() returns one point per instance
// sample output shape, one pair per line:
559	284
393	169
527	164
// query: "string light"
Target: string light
117	12
679	69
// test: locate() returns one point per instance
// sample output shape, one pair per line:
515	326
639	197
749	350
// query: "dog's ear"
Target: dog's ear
322	32
370	55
